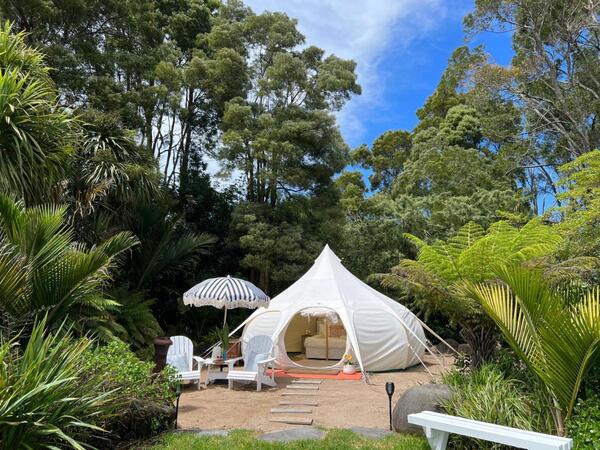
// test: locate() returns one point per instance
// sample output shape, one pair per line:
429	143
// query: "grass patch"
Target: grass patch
245	439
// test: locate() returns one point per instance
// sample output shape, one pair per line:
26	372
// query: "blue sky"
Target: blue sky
401	47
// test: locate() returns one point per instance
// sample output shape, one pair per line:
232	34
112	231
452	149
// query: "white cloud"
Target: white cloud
363	31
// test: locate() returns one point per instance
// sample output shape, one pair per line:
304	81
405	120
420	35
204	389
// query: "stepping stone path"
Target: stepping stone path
371	433
305	387
207	433
297	388
294	434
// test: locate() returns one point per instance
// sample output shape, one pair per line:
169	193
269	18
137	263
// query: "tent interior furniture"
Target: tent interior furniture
257	359
312	339
438	426
181	356
380	333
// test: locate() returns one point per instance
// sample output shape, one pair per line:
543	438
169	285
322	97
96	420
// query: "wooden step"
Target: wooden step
300	393
307	381
291	410
299	403
306	387
292	420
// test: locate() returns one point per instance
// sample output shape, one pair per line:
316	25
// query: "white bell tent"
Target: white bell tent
379	332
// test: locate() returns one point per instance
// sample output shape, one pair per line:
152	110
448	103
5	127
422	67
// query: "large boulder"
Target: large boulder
443	348
465	349
426	397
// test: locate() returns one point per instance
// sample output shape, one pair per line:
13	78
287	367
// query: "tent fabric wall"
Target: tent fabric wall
382	334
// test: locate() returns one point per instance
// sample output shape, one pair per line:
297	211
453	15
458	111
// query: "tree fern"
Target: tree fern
473	255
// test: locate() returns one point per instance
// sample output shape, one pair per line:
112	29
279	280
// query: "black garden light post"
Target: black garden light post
178	394
389	388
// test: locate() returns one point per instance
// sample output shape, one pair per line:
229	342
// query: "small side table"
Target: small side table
213	375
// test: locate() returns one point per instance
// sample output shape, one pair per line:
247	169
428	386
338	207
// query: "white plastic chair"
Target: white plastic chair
257	358
181	357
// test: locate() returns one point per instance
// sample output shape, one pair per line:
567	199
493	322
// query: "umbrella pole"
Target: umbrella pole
225	318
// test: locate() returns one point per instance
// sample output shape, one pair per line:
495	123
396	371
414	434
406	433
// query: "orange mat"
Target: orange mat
339	376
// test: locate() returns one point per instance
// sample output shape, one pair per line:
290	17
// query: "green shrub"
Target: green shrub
146	400
489	395
584	427
45	399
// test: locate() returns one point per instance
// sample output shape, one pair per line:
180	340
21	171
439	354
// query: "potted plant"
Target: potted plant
348	366
224	340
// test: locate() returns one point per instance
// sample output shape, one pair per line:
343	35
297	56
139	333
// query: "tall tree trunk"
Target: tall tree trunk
186	145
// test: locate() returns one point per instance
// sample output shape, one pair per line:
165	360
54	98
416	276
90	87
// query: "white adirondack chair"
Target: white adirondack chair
181	356
257	358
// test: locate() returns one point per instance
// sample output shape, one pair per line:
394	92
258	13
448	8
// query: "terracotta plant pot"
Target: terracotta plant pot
161	348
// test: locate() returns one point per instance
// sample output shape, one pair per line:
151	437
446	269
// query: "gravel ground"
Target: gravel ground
342	404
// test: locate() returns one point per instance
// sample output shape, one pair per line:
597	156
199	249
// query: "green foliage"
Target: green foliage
48	399
554	72
581	208
134	321
556	338
489	395
108	168
335	439
223	336
473	254
120	369
451	177
164	247
44	271
386	158
35	133
278	250
145	399
584	426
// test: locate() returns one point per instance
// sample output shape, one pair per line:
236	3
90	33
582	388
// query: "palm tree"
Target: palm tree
42	270
164	249
556	337
35	134
108	169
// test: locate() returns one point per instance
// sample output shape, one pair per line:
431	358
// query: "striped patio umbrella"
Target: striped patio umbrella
227	293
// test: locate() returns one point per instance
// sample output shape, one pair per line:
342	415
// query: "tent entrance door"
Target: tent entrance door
316	342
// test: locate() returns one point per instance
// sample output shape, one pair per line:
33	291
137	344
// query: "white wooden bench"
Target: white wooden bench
438	426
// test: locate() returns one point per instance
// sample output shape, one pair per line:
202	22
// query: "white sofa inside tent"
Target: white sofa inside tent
327	309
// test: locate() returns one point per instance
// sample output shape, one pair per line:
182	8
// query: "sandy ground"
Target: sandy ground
342	403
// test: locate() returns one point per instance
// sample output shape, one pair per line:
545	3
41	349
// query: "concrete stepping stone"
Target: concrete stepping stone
299	403
292	420
307	381
207	433
371	433
295	434
308	387
292	410
300	393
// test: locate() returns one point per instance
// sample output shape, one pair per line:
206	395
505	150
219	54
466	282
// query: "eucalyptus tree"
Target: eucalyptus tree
281	134
555	73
